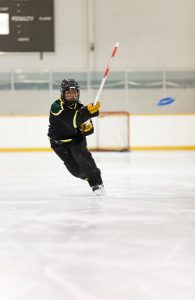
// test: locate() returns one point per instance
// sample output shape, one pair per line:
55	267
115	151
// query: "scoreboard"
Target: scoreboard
26	25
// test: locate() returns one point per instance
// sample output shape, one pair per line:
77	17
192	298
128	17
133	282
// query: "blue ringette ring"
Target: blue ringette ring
165	101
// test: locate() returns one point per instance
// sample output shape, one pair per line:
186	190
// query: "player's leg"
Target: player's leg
87	164
66	156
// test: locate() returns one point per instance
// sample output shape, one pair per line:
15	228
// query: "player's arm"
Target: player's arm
85	113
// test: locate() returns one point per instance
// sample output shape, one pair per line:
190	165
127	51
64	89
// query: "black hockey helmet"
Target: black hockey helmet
68	84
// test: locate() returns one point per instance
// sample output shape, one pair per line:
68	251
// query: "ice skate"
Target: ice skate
98	190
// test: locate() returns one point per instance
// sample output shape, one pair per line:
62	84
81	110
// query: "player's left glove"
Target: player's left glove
86	128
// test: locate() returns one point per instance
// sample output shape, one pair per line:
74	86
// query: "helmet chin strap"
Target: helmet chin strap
70	102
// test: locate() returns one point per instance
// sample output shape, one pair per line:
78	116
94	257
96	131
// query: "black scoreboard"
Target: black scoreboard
26	25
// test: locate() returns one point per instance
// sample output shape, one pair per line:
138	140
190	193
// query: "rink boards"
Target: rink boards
113	131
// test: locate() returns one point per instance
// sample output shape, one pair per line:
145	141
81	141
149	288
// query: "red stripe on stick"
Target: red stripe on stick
106	72
114	51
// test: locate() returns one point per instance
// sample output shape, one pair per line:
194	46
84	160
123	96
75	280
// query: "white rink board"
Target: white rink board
110	131
24	132
163	130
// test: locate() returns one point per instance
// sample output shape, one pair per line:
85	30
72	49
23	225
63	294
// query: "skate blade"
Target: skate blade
99	192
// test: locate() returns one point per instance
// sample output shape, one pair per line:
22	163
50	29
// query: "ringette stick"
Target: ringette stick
106	74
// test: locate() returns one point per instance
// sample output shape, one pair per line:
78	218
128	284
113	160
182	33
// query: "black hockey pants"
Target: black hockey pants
78	160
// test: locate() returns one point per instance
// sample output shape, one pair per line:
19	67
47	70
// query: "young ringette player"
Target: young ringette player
70	123
68	130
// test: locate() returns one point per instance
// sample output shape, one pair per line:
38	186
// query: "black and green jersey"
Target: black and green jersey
65	120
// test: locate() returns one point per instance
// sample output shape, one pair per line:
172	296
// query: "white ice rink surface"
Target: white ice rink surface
60	242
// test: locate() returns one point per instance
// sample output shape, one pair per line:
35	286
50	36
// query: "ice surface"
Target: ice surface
59	241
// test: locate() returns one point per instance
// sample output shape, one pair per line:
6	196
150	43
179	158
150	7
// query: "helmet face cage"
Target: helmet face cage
68	84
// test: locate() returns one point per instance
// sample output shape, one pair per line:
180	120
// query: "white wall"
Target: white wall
151	33
112	132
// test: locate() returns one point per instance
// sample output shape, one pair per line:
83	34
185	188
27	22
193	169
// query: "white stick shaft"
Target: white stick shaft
99	90
106	74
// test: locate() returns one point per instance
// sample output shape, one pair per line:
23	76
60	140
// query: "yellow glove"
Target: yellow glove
93	108
86	127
